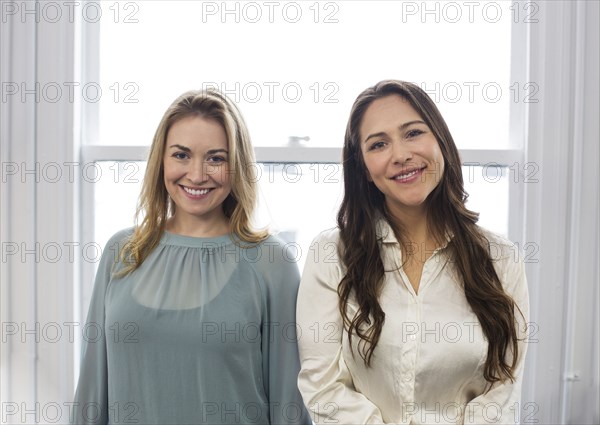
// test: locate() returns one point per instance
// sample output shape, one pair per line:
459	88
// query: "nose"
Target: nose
401	152
198	173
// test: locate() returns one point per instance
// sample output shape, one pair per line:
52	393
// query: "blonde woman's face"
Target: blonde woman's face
196	169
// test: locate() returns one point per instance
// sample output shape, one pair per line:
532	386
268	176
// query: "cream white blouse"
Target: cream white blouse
428	365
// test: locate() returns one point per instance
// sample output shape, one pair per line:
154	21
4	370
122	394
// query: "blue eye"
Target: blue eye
217	159
180	155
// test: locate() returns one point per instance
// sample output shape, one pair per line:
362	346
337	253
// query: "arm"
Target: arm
90	405
501	405
279	342
325	381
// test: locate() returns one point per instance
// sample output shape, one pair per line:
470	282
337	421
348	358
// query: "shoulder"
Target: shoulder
121	237
111	254
500	247
110	258
273	249
118	240
327	240
274	260
328	235
322	258
508	262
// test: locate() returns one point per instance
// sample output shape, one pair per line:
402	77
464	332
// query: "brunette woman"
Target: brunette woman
410	312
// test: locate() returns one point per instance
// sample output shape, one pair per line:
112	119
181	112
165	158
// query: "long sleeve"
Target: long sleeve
279	341
91	398
502	404
325	380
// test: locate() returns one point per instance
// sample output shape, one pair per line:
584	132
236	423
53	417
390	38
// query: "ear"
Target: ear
369	178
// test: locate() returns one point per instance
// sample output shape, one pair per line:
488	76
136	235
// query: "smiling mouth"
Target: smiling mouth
408	174
196	192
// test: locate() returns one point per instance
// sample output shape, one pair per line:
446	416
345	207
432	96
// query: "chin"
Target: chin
409	203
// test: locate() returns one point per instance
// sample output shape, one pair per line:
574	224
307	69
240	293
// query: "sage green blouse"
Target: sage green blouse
203	332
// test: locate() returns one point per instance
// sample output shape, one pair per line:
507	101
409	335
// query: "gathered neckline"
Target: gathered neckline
169	238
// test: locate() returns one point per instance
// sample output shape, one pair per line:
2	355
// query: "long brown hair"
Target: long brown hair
155	206
363	204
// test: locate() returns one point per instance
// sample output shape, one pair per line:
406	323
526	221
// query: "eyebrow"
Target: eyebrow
401	128
214	151
188	150
183	148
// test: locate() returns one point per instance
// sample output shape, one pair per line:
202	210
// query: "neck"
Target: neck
413	223
199	227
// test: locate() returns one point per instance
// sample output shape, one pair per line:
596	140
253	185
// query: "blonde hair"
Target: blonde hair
154	202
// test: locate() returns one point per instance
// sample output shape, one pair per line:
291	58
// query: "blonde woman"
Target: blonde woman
196	309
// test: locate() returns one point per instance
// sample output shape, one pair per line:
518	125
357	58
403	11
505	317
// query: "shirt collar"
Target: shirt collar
386	234
384	231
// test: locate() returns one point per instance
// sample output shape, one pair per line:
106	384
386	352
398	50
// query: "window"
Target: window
294	69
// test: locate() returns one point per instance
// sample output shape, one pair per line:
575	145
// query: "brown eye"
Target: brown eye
377	145
414	133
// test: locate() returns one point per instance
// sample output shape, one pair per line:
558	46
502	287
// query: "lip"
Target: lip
196	197
417	172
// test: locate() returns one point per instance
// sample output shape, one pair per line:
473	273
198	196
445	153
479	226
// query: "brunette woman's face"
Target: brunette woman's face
401	154
196	168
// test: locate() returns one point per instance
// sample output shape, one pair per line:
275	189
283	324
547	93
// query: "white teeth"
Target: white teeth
406	176
195	192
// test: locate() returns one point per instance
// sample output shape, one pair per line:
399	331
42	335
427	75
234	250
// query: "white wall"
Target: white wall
38	213
560	215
